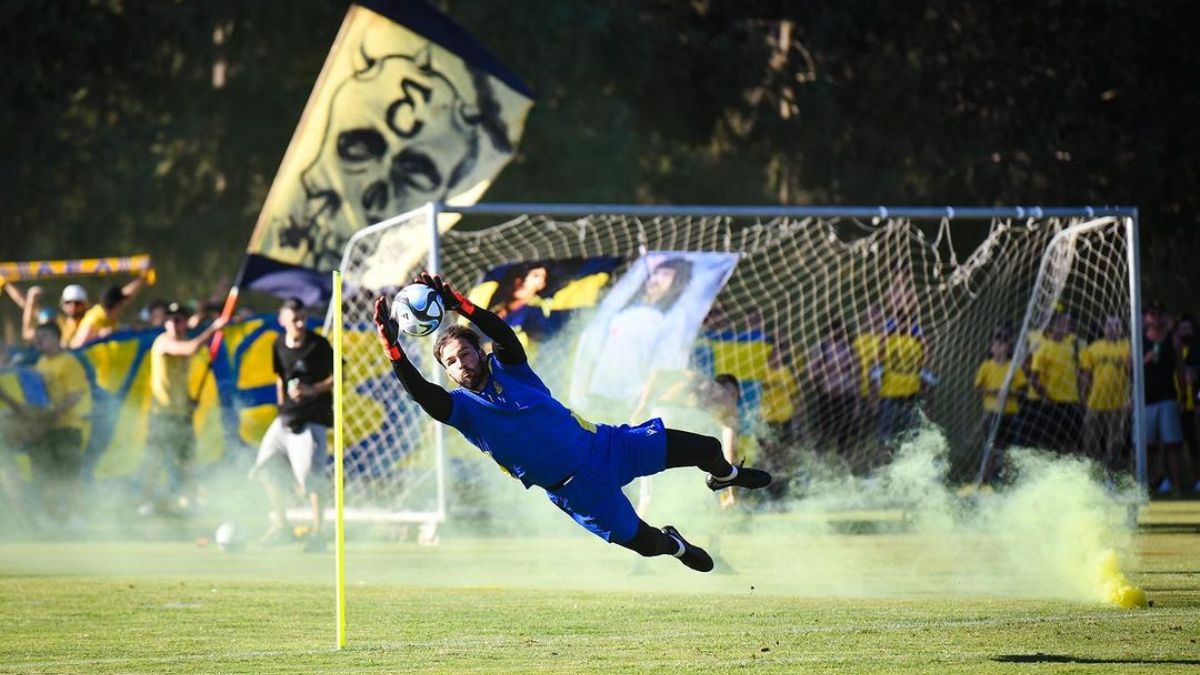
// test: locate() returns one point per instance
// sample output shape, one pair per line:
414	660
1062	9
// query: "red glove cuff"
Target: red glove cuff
464	305
393	350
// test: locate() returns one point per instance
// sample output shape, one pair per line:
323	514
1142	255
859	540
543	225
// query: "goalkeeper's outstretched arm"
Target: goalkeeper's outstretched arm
505	344
432	398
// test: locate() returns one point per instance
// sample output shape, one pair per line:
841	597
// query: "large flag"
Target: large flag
408	109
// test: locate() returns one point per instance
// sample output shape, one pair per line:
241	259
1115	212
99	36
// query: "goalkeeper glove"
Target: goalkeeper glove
452	300
385	325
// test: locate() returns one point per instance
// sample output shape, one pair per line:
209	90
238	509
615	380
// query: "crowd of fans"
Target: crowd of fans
857	387
1074	396
80	321
52	428
52	432
1071	393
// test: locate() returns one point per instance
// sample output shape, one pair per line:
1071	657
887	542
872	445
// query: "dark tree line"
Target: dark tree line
130	125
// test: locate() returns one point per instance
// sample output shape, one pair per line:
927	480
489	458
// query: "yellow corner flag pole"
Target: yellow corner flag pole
338	469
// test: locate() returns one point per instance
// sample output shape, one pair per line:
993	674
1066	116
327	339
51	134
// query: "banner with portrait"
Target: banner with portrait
537	298
408	109
650	320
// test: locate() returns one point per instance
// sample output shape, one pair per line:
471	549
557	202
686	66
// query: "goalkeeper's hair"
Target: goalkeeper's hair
455	332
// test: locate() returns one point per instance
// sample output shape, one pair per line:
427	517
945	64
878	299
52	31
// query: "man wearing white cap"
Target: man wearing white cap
74	304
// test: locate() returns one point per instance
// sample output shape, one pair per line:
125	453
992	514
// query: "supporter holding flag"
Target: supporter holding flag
73	304
102	319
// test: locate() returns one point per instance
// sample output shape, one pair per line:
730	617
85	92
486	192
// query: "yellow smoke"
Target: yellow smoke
1058	517
1055	532
1113	586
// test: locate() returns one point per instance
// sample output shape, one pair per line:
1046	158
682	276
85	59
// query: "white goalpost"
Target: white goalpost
947	277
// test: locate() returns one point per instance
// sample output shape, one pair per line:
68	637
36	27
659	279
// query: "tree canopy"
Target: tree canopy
158	127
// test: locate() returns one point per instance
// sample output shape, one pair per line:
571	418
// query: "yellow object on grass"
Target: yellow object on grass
1115	587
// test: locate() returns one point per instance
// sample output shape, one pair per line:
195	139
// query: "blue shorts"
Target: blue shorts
593	497
1161	423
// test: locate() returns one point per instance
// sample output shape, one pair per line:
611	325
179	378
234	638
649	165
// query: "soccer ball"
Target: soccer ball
418	310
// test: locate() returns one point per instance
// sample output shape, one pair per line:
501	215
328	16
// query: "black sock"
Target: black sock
687	449
650	541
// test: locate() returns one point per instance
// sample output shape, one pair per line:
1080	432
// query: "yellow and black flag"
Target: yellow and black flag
408	109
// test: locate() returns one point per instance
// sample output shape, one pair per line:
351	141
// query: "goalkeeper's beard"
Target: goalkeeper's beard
473	378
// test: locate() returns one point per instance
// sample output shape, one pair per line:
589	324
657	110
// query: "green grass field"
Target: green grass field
570	604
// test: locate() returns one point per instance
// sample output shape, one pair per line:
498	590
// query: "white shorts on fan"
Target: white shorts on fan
302	450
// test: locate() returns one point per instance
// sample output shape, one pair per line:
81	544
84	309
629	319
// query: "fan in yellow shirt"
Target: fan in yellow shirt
777	439
902	380
101	319
1055	417
989	381
72	306
170	437
868	346
56	452
1105	366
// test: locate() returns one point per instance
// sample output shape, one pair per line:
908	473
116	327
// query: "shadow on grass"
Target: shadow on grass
1169	528
1063	658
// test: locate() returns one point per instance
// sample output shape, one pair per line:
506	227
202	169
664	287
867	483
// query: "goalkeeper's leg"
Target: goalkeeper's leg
594	501
649	541
704	452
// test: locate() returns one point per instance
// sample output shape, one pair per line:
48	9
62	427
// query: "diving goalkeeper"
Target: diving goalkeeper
504	409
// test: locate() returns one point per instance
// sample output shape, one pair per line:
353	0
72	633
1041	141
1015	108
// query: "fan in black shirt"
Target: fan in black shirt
1160	424
297	438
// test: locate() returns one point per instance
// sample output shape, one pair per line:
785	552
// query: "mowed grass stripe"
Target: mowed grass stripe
395	630
478	606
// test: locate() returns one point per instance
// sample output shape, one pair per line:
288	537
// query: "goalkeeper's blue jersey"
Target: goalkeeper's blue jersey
517	421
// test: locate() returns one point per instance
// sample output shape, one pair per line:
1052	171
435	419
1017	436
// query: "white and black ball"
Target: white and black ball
417	310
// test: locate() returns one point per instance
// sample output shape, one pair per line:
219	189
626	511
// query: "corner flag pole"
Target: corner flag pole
338	454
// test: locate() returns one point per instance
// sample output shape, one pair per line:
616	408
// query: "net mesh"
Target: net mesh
843	333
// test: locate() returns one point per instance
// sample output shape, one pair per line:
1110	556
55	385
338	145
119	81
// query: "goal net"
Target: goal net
842	331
